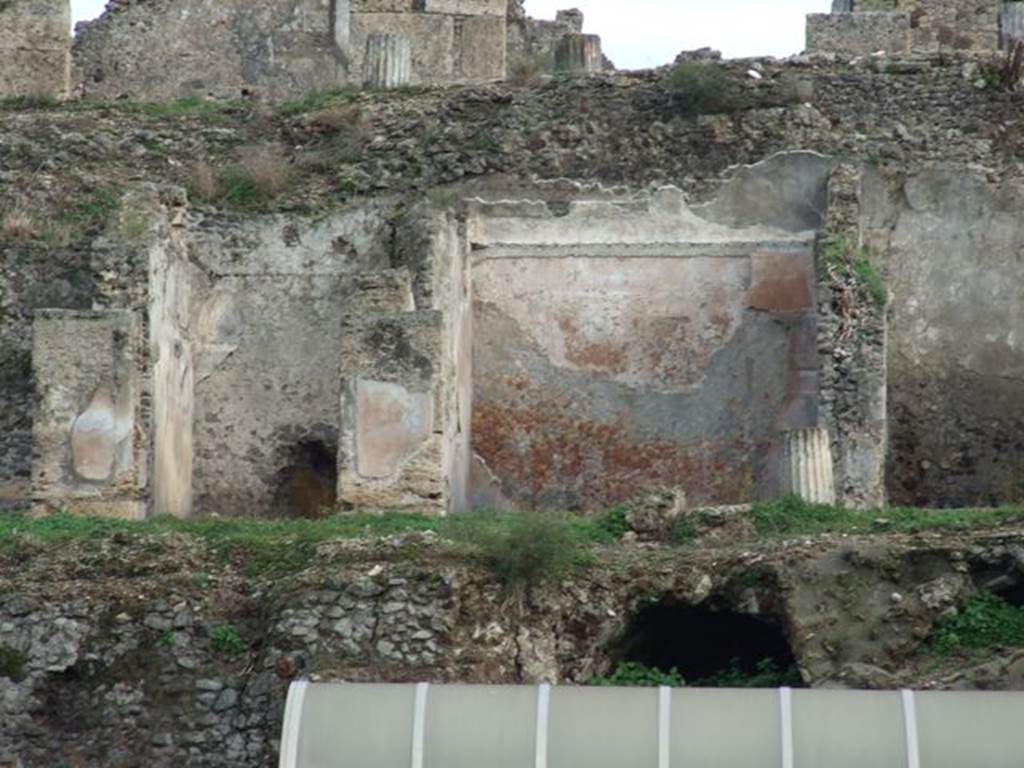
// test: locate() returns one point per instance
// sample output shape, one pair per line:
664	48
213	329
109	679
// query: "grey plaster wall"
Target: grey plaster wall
952	241
268	325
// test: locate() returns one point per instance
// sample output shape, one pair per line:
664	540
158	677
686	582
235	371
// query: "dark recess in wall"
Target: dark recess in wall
309	480
704	641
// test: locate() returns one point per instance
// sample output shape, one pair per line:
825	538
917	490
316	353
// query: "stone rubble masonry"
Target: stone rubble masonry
35	48
859	33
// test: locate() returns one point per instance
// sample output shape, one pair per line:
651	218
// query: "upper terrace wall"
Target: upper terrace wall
901	26
162	49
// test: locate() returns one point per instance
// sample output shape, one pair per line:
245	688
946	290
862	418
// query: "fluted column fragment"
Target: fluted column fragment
807	465
388	61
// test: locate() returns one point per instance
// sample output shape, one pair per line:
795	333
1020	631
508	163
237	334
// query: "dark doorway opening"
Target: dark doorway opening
710	645
309	480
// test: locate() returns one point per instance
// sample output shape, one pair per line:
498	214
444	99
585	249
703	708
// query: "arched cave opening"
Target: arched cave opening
710	645
308	482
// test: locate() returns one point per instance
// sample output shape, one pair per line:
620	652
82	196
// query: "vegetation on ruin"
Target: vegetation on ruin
520	548
634	674
766	674
845	259
700	89
986	620
13	664
226	640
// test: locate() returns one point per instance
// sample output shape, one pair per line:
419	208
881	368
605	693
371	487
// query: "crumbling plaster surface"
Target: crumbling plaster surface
635	343
90	446
268	325
951	241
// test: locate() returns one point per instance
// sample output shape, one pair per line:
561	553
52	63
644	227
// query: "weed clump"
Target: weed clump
258	178
845	259
225	640
986	620
522	550
13	664
701	89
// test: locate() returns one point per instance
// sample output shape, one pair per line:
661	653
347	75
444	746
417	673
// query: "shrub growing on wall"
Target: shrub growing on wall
700	89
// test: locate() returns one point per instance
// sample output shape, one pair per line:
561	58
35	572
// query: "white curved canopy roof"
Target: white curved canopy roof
468	726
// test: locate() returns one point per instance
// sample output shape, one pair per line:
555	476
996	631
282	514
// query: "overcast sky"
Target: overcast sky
648	33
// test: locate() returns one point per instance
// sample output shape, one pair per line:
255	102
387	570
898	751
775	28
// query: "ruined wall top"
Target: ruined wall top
904	26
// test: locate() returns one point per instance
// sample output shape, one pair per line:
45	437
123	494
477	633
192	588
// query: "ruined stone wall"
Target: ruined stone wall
35	48
279	50
122	651
859	33
901	26
453	41
164	49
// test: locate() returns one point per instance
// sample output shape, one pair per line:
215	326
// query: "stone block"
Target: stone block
859	33
383	6
495	8
579	54
88	436
35	48
432	37
480	49
782	282
1011	24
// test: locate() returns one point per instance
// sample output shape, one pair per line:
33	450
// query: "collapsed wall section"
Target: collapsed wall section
35	48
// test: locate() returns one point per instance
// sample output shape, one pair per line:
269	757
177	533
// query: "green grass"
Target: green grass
226	640
317	100
792	516
985	620
279	547
189	106
15	103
